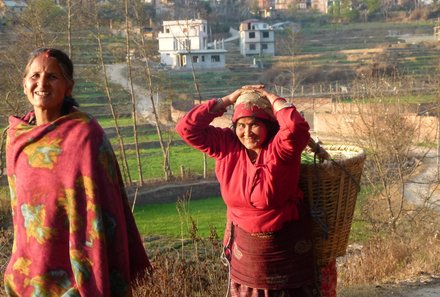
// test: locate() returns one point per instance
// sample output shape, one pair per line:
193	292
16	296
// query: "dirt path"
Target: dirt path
423	188
429	288
117	74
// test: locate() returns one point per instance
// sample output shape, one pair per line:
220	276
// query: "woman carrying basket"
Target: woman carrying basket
268	235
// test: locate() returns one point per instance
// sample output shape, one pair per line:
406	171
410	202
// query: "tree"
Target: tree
293	48
381	123
40	21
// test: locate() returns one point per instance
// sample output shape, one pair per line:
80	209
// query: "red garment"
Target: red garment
74	233
249	110
329	279
275	260
239	290
260	197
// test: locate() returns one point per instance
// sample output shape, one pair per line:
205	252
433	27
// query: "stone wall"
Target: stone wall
348	120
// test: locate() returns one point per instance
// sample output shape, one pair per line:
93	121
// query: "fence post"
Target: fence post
182	172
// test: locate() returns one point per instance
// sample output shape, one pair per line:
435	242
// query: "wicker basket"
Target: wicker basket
331	190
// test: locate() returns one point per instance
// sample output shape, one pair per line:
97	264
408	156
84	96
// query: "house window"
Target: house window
264	46
265	34
215	58
167	30
203	58
251	34
252	47
195	59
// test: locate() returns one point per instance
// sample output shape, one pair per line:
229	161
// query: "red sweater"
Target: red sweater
260	197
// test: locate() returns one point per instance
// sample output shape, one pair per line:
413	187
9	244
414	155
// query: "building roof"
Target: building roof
184	22
203	51
252	21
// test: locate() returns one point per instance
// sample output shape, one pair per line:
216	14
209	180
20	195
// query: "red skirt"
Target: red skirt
276	260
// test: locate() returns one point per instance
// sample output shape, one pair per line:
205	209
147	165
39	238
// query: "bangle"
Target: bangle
279	98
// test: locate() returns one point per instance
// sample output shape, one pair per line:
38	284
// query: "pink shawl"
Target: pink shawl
74	233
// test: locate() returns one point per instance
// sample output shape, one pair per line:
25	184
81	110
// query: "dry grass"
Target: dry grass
392	259
405	251
187	275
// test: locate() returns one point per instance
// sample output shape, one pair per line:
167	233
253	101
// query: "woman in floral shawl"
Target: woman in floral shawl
74	233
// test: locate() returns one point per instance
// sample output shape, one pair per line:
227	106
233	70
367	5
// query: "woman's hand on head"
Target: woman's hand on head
253	87
270	96
232	98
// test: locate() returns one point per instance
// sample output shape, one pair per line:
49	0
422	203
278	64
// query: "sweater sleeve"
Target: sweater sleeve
293	135
195	129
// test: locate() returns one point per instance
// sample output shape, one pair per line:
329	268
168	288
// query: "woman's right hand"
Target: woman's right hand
232	98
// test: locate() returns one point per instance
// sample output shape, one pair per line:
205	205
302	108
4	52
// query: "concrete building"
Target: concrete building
256	38
184	43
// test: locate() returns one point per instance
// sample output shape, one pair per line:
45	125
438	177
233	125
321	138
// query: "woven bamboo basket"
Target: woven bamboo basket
331	190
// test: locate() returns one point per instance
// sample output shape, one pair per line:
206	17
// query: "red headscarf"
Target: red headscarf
247	110
252	104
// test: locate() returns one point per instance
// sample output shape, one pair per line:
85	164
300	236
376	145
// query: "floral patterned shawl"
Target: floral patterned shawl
74	233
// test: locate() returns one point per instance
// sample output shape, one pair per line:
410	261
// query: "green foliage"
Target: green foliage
373	6
5	207
42	15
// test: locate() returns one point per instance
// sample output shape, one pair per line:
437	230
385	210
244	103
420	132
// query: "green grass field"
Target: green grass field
166	220
171	220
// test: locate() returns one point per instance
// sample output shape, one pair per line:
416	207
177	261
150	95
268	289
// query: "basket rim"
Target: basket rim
359	155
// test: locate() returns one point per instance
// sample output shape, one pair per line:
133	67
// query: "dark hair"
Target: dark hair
272	128
66	66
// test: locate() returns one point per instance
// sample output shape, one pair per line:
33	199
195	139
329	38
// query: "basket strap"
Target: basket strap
226	255
348	173
317	210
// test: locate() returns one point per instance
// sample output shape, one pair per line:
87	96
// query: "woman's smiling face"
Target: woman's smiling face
251	132
45	85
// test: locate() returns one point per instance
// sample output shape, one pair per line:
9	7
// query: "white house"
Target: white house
256	38
184	44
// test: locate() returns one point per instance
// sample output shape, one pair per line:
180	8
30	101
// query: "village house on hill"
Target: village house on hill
184	44
256	38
